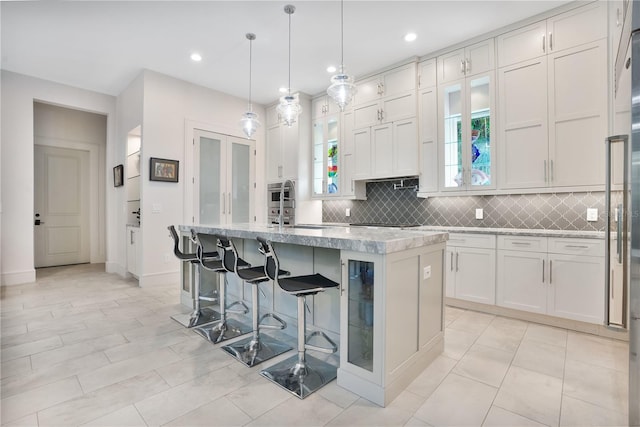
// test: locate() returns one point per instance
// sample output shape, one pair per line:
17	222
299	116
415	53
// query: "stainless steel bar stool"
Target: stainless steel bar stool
300	374
200	315
226	328
257	348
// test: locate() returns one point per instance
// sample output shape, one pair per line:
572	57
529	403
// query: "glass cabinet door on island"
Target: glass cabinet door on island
360	340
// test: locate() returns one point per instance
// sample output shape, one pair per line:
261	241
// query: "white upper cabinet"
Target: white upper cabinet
428	126
573	28
323	106
523	150
388	84
522	44
579	26
469	61
552	101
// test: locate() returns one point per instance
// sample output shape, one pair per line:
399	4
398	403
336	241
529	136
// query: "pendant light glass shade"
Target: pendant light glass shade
249	121
289	108
342	89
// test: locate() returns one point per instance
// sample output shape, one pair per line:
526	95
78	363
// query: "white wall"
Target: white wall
129	116
16	170
171	107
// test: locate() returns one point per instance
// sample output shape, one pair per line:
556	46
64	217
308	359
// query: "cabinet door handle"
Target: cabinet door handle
381	88
612	287
131	238
224	204
550	272
229	203
544	42
457	261
342	264
381	115
279	171
577	246
462	66
550	41
542	271
521	243
467	66
545	171
619	233
551	170
451	269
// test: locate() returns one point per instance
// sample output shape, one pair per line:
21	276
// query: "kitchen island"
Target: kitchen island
387	312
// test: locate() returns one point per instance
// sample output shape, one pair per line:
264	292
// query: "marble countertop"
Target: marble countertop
359	239
518	232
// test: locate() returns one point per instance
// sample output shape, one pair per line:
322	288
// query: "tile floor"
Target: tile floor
82	347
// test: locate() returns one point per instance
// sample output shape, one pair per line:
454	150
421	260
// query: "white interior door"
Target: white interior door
61	205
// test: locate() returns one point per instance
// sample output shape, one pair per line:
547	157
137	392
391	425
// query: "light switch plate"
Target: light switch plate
479	213
592	214
347	212
426	272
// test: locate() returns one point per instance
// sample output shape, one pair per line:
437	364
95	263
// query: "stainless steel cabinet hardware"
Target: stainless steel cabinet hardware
542	271
577	246
551	170
451	269
550	272
381	88
619	233
342	264
462	66
550	41
544	47
131	238
467	66
224	204
457	261
521	243
229	202
545	171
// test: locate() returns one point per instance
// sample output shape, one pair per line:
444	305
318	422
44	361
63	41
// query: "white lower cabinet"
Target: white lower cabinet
471	267
555	276
133	250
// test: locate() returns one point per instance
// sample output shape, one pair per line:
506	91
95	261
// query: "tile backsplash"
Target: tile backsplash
552	211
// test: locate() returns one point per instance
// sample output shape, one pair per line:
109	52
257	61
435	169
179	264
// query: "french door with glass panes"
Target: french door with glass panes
465	116
223	178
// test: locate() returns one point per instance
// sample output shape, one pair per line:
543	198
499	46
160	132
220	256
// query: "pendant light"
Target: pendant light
249	121
342	88
289	108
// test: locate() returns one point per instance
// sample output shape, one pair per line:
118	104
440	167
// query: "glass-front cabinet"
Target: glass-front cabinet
325	161
359	335
465	114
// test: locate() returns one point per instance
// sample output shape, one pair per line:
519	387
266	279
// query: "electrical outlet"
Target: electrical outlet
426	272
479	213
347	212
592	214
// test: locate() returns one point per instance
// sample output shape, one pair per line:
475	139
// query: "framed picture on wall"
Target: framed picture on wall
118	173
163	170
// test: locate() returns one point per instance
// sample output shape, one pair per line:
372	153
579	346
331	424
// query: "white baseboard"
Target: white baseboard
18	277
157	279
114	267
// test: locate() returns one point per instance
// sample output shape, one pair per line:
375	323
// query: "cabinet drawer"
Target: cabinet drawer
472	240
523	243
569	246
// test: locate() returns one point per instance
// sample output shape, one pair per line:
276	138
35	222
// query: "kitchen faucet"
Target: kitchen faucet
281	210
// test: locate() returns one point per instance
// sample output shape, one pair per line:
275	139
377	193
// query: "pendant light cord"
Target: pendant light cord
250	60
341	36
290	52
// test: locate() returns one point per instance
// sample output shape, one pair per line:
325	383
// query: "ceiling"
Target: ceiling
103	45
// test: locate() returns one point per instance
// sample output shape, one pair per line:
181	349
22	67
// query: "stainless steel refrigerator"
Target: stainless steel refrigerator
623	200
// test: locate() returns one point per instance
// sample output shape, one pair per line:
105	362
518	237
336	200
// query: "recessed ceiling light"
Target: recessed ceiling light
331	69
409	37
283	89
196	57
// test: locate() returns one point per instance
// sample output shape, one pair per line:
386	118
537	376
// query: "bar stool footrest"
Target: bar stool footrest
252	352
211	297
328	350
191	320
223	331
275	317
243	310
301	382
